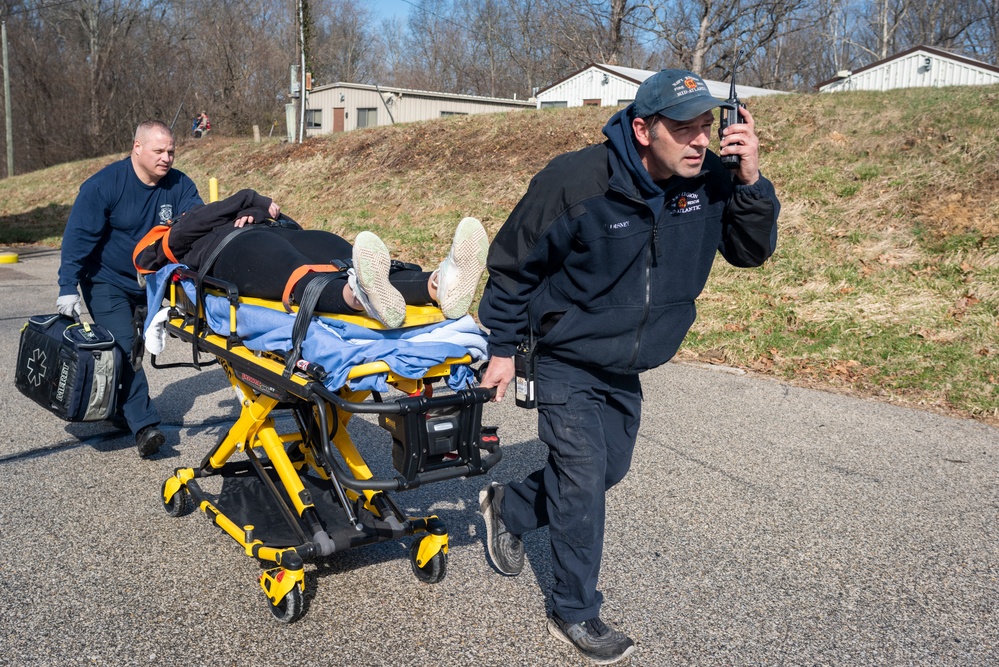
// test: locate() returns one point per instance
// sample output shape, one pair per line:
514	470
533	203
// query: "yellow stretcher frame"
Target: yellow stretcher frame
323	448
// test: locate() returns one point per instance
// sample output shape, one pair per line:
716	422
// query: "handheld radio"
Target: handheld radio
525	365
731	116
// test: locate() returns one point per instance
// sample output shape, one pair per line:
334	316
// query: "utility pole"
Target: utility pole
301	73
6	100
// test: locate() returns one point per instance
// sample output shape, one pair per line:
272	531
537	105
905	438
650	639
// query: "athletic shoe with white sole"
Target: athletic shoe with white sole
458	275
369	280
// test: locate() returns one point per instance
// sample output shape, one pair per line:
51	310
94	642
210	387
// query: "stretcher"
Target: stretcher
294	495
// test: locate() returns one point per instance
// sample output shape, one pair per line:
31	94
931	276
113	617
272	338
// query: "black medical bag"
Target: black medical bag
70	368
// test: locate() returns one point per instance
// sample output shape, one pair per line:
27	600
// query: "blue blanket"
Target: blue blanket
340	346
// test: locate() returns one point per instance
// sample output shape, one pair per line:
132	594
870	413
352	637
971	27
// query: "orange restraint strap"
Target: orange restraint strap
159	233
297	275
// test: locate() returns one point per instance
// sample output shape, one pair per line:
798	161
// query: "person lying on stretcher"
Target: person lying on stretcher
269	256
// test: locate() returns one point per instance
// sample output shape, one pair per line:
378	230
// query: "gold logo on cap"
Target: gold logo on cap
690	83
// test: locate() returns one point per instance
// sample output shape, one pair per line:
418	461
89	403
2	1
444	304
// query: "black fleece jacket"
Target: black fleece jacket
605	266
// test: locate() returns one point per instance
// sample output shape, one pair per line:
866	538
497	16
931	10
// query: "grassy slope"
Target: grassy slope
885	283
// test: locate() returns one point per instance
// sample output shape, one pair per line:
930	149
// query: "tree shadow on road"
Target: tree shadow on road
34	226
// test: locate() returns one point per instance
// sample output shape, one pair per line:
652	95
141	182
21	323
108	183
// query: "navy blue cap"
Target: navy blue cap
677	94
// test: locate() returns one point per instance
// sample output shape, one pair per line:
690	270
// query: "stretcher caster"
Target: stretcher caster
428	570
176	499
289	609
285	590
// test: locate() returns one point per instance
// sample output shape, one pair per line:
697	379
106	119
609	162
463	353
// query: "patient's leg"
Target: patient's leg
323	247
413	285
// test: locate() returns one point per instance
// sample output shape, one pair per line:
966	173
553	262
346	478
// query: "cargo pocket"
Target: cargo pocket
567	429
552	393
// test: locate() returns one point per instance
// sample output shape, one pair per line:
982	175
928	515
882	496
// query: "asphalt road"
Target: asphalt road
760	524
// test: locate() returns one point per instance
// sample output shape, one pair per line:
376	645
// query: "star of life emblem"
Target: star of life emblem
36	367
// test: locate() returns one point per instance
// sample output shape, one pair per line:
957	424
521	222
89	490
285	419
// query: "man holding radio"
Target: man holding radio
597	269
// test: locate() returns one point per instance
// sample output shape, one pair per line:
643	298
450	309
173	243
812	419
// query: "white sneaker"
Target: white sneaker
369	280
458	275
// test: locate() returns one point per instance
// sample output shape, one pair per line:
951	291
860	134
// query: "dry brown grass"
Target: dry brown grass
885	284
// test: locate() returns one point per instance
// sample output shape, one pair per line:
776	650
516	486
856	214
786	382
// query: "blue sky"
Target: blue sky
386	8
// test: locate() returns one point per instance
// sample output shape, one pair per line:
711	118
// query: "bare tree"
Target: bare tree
807	49
983	37
437	44
97	36
342	46
532	50
595	31
488	62
942	23
85	72
885	17
704	35
240	53
389	51
42	94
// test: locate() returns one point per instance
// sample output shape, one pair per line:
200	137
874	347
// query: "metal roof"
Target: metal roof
421	93
940	53
637	76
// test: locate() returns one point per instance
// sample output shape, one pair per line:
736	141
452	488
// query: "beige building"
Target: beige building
341	107
611	85
921	66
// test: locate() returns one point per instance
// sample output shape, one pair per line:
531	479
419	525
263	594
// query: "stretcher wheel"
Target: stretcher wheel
180	504
435	569
291	606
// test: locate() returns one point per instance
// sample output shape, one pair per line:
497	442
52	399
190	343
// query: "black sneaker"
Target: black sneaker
505	549
593	639
149	439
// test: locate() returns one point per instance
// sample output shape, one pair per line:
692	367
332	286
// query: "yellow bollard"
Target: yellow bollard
213	189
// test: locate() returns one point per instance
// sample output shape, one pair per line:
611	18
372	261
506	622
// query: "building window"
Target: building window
622	103
313	119
591	103
453	113
554	105
367	117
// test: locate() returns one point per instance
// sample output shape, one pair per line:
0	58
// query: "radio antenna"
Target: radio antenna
735	66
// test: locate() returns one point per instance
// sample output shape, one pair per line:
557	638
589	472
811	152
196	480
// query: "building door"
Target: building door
338	119
591	103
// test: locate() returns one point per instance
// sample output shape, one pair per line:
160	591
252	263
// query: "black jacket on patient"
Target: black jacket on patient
193	236
265	258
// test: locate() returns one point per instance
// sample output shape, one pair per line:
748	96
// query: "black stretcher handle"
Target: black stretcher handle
410	403
464	397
